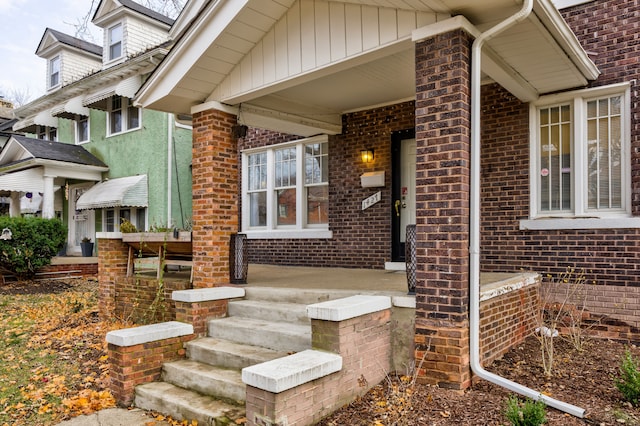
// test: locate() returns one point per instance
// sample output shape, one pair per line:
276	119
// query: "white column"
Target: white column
14	208
47	199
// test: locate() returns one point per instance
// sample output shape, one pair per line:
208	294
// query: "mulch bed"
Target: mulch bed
585	379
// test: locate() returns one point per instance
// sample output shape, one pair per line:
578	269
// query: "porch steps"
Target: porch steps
207	385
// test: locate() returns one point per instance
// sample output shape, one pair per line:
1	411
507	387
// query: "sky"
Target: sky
23	25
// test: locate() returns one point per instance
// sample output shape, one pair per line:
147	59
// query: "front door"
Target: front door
81	222
403	202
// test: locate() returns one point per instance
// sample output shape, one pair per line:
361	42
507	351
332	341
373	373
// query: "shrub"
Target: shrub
33	242
529	413
629	383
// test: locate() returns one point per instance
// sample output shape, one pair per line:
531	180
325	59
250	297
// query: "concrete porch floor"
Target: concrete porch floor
369	280
372	281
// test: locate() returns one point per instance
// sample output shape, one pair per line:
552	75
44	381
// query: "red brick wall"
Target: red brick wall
146	300
608	256
442	208
506	320
215	196
80	269
130	366
361	239
364	343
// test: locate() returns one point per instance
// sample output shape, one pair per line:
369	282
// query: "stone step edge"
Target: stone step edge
294	370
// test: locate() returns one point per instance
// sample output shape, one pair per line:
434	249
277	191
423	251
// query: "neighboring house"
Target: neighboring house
145	155
365	116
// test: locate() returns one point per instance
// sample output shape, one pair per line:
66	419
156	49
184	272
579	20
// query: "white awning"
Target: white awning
127	88
70	109
29	180
128	191
28	125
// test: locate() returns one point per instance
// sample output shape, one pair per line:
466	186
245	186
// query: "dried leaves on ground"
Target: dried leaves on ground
53	361
586	379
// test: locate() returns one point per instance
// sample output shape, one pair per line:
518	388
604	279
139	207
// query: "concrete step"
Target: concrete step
278	336
182	404
206	379
270	311
301	296
227	354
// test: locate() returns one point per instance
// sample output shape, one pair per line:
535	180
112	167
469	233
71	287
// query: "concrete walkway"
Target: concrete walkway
115	417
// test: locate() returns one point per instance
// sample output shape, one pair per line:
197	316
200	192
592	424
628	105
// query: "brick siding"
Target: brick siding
442	208
361	239
215	196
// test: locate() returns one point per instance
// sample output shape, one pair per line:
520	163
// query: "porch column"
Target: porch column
442	209
14	207
47	198
215	196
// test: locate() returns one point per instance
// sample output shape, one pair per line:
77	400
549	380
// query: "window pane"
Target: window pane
555	158
258	208
109	221
141	219
604	139
116	121
133	117
54	72
286	206
82	126
318	205
285	167
316	163
258	171
115	41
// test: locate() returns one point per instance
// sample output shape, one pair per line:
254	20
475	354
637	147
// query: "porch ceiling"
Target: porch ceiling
209	62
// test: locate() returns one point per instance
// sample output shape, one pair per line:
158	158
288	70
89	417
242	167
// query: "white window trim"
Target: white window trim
50	73
125	118
272	231
579	218
120	58
75	128
134	220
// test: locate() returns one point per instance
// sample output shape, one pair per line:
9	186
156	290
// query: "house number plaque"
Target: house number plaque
368	202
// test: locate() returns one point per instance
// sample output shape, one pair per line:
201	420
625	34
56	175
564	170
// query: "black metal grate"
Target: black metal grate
238	259
410	257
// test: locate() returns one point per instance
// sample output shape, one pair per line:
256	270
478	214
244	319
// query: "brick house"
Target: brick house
361	117
139	167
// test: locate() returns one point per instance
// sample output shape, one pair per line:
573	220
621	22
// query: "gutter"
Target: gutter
474	232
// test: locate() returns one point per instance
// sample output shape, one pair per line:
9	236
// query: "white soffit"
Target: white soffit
128	191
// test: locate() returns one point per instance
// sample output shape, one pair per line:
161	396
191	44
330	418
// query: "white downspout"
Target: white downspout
169	165
474	237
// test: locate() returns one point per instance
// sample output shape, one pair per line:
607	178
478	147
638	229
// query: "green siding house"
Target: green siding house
137	162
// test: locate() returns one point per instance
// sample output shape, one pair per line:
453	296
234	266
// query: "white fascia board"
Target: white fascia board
561	4
207	28
71	170
552	19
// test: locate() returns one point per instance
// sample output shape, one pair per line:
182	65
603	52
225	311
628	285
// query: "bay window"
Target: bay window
286	190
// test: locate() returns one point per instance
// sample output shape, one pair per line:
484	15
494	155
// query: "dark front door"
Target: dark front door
403	191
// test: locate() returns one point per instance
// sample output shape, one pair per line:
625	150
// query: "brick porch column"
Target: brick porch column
442	210
215	196
112	264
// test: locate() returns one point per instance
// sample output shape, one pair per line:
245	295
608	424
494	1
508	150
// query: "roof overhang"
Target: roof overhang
221	55
113	77
128	191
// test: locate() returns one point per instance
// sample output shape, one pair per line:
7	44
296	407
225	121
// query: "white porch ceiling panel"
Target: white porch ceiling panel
317	59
